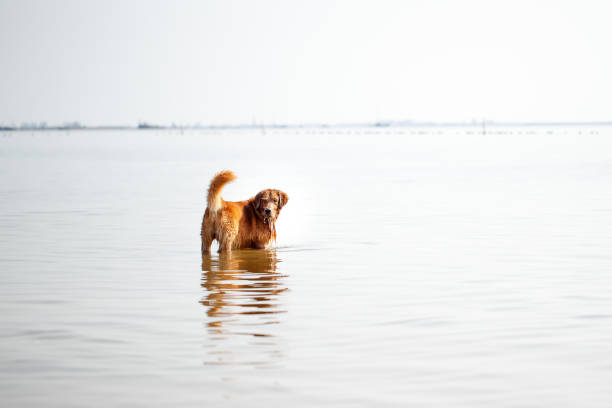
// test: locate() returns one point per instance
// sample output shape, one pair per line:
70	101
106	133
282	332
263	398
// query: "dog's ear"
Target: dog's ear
282	199
257	200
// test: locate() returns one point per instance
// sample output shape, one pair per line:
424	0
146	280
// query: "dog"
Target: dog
240	224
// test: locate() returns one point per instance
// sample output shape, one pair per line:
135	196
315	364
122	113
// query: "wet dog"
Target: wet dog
240	224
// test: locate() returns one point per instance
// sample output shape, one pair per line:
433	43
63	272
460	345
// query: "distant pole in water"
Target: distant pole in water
484	127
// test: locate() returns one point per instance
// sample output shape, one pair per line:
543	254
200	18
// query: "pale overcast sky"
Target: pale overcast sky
215	62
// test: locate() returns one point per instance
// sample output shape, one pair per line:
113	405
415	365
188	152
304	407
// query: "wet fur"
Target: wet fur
239	224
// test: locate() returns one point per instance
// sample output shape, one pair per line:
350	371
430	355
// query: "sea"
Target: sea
417	266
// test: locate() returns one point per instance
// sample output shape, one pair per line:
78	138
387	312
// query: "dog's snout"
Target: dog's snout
268	211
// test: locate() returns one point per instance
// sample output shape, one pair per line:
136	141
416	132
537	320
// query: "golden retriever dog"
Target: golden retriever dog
240	224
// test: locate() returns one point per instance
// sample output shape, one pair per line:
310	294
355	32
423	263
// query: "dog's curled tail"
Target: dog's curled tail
214	190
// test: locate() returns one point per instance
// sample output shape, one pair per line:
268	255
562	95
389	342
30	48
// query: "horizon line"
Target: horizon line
143	125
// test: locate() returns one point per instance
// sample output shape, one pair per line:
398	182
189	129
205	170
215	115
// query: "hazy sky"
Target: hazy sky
225	61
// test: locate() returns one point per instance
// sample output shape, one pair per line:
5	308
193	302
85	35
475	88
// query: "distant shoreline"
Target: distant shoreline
379	124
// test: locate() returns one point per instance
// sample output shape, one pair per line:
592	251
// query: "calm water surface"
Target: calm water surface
414	267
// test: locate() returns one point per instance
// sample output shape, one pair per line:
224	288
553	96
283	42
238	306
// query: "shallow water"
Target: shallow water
414	267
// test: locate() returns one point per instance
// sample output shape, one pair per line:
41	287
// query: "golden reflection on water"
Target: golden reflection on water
242	300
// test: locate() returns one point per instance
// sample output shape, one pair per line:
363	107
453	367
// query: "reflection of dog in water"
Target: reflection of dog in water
241	283
241	224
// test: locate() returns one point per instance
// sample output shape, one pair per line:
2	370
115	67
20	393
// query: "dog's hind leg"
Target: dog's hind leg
207	233
206	243
226	241
225	246
228	233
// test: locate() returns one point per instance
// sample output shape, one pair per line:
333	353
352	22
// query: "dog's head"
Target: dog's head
268	203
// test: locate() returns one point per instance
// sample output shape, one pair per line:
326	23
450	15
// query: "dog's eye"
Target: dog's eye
275	201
